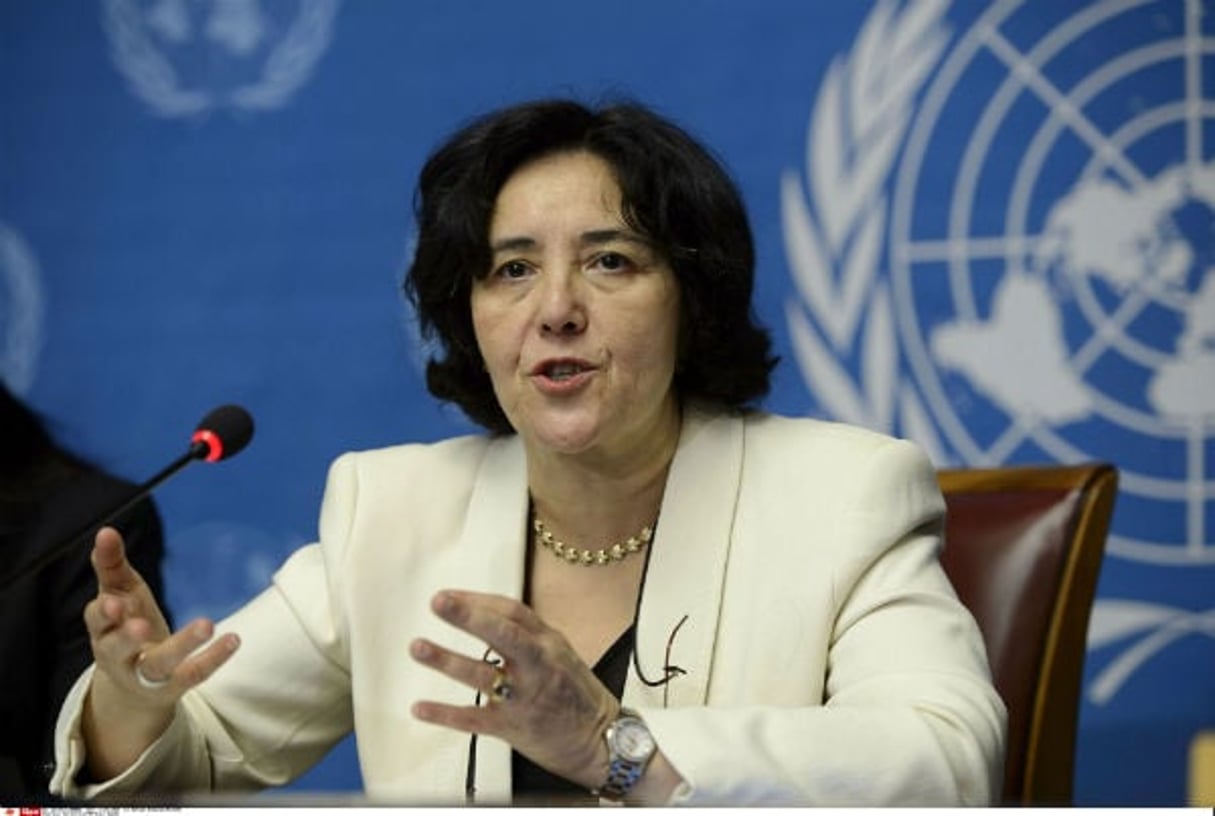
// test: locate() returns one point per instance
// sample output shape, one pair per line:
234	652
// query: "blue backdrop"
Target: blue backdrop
988	228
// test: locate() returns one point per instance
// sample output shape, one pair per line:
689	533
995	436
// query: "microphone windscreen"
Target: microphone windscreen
226	430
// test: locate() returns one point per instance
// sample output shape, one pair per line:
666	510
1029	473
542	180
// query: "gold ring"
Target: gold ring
501	689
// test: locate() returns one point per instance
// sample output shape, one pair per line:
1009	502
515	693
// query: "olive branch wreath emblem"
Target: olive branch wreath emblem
153	78
21	319
833	226
834	239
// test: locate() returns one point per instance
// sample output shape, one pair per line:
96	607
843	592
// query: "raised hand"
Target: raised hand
557	710
141	667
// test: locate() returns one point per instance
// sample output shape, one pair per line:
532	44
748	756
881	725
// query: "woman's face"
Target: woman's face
578	317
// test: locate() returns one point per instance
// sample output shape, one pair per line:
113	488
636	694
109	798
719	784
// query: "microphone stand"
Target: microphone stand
197	451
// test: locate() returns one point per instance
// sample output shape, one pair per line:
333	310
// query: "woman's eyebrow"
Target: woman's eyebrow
607	236
512	244
515	243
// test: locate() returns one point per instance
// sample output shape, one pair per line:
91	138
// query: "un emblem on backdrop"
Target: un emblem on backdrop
21	312
188	57
1040	192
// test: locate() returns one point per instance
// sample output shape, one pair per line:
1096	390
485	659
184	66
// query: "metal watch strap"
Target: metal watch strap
622	776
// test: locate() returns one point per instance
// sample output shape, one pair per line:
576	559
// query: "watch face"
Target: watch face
632	740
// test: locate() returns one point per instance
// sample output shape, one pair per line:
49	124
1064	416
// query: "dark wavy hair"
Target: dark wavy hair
674	193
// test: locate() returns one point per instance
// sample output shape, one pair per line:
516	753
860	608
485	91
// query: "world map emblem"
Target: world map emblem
190	57
1003	247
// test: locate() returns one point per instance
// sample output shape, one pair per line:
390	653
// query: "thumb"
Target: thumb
114	572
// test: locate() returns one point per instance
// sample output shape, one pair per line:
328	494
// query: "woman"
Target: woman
47	495
761	594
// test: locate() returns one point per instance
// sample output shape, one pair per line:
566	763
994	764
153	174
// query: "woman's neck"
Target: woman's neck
593	501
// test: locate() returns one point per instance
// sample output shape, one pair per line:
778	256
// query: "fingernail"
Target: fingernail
421	649
445	603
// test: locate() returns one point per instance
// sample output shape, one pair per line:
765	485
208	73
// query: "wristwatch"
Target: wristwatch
630	748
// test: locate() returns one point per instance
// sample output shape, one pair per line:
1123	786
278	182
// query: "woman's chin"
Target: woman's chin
565	442
567	434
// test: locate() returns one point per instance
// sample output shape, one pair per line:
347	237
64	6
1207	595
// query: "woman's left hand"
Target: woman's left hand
557	710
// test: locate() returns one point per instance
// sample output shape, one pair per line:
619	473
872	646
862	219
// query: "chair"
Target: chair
1023	547
1202	770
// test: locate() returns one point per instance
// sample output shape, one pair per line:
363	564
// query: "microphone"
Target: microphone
222	433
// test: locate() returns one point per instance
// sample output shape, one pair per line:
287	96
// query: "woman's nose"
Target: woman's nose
562	310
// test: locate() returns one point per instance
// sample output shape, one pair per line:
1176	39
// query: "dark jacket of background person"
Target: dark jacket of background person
46	495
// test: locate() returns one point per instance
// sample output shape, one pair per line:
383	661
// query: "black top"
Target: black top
43	642
532	785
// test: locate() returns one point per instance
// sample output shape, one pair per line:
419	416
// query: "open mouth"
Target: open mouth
563	371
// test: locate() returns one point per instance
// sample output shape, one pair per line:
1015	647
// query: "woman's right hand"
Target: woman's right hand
125	713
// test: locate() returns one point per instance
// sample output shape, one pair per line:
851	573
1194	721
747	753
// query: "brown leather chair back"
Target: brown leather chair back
1023	547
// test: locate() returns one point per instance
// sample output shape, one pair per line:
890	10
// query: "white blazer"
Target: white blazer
828	660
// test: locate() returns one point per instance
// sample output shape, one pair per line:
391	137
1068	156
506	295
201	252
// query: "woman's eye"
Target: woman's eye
612	262
513	270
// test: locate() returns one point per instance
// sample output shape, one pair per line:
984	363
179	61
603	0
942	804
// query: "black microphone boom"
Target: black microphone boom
222	433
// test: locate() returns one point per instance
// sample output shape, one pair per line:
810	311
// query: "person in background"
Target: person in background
634	586
46	495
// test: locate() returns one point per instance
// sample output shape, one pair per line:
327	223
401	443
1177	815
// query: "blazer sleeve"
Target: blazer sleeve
278	705
907	715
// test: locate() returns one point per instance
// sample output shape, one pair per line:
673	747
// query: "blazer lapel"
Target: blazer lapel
688	561
493	544
492	557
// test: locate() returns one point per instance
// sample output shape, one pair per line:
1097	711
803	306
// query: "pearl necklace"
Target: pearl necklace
577	555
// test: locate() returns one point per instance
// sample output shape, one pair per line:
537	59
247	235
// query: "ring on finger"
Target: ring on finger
143	679
501	689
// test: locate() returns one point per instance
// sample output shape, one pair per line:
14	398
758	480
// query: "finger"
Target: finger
114	572
198	667
187	673
454	605
103	614
507	625
160	660
109	612
120	645
469	719
181	673
477	674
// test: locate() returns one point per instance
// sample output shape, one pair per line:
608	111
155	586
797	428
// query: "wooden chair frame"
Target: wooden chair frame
1070	542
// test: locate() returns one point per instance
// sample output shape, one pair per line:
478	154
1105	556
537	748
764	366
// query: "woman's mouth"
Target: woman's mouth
563	371
562	374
